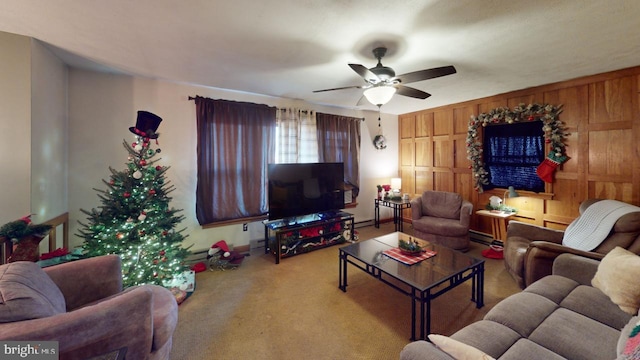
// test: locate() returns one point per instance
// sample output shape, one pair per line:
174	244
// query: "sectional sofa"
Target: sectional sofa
586	309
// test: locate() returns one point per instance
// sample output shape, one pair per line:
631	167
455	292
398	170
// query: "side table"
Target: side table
499	222
397	206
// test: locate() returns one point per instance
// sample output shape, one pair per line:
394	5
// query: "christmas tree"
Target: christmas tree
135	220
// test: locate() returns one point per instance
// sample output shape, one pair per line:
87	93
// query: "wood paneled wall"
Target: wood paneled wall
602	115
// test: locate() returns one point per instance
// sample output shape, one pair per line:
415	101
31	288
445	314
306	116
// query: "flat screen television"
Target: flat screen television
305	188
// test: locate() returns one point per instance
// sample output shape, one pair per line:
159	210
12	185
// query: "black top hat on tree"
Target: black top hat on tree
146	125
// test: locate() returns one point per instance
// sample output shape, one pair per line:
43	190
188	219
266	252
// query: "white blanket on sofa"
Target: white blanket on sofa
594	224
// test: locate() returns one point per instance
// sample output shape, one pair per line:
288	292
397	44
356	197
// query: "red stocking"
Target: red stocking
547	168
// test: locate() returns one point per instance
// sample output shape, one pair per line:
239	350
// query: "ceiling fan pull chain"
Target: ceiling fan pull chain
379	125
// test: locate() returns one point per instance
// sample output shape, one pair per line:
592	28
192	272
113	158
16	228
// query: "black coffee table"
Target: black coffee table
423	281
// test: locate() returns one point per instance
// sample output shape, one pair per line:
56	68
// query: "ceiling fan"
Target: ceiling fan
382	82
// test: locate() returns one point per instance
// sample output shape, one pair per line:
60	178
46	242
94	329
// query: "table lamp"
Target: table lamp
396	185
512	194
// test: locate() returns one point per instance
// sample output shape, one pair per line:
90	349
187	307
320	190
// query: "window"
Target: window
296	139
236	141
512	152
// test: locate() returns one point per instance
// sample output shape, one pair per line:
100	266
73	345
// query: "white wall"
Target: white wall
48	135
102	107
15	127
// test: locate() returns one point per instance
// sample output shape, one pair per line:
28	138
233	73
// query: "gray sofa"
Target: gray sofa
560	316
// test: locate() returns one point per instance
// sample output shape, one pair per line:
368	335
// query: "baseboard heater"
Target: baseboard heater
480	237
197	256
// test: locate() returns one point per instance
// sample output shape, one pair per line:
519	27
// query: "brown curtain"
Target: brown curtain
235	144
339	141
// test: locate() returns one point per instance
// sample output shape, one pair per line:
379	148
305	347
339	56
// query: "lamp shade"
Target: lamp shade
379	95
396	183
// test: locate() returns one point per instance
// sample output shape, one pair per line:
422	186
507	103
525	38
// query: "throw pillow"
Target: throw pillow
617	277
625	333
27	292
458	350
632	346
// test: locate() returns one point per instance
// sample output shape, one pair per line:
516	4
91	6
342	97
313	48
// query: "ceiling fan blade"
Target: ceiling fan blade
426	74
339	88
366	74
411	92
362	101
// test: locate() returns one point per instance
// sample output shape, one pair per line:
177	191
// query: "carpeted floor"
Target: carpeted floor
295	310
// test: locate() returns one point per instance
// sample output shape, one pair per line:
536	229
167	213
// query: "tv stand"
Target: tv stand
289	237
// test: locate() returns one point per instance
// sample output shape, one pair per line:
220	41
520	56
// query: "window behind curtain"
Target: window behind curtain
235	144
296	139
512	152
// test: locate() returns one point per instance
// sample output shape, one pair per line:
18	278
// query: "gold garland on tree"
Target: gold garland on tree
554	133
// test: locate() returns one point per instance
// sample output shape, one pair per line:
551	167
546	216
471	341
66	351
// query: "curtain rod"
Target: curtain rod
283	109
299	110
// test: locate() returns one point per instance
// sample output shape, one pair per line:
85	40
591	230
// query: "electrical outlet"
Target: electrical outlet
245	227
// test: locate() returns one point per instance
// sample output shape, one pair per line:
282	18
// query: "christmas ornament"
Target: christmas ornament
137	174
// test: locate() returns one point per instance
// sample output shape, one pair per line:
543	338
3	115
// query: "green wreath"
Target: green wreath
554	133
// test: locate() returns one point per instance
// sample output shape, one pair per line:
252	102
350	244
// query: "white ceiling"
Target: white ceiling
288	48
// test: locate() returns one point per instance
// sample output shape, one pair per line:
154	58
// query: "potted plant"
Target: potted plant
25	237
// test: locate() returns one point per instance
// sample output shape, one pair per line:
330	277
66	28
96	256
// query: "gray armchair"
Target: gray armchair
82	305
530	250
442	218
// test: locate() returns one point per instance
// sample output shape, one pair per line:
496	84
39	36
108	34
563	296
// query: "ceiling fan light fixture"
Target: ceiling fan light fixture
379	95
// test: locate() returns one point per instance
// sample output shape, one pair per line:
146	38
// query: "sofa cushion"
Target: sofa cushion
617	277
592	303
575	336
522	312
527	349
553	287
27	292
458	350
441	226
502	337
